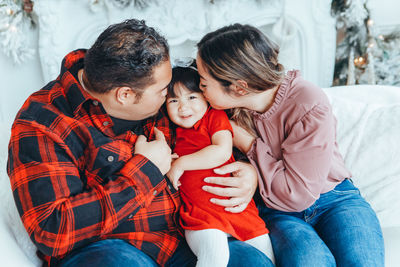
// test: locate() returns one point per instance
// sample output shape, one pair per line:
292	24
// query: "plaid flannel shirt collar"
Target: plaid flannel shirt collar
77	96
68	78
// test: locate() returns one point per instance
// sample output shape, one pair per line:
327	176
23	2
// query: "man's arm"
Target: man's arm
58	213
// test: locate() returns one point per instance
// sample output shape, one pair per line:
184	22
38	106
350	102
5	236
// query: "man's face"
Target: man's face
153	96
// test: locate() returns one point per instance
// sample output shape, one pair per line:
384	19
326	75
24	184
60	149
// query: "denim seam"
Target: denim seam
344	192
309	218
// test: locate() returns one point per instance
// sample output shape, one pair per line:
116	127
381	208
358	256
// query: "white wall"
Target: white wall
385	14
17	80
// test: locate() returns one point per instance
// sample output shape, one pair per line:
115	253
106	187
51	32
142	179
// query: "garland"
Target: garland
15	19
363	55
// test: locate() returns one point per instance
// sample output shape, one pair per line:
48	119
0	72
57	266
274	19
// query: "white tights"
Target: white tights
211	246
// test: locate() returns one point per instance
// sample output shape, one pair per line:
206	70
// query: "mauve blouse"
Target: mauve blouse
296	154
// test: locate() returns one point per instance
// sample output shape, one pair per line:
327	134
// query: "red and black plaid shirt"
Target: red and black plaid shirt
75	182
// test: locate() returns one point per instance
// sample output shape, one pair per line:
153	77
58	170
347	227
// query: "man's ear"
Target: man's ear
125	95
240	87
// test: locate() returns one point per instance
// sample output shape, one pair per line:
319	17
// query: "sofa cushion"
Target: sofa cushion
368	135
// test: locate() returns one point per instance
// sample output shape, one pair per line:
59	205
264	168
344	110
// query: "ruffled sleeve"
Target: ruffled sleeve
294	181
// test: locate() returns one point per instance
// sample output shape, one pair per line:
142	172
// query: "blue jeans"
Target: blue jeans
116	252
339	229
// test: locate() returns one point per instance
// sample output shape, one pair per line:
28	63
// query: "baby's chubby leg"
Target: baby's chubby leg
263	244
210	246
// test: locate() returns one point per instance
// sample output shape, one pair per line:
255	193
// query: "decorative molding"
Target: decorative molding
323	20
48	43
306	40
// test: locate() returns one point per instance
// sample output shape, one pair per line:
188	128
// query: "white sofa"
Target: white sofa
368	133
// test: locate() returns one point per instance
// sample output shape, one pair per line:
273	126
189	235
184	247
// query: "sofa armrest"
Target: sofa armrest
391	237
11	252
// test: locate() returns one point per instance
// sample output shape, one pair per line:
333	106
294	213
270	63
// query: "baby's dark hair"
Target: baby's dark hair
187	76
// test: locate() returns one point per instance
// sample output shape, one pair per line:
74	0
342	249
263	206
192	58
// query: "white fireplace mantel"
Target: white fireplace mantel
304	29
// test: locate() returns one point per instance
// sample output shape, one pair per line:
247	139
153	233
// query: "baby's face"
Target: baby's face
187	107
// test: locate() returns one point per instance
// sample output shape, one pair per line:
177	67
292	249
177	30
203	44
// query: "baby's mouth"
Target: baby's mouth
185	116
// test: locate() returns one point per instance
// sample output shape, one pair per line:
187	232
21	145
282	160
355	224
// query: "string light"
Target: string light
359	61
10	12
370	22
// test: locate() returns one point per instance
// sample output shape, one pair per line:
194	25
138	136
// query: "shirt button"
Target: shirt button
95	102
170	187
130	216
105	123
110	158
155	192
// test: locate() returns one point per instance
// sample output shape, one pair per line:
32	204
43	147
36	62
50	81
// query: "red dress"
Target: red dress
197	212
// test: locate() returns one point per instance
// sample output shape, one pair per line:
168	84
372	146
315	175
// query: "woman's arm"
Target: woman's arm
242	139
293	180
243	183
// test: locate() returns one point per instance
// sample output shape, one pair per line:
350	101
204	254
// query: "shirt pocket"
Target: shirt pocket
105	161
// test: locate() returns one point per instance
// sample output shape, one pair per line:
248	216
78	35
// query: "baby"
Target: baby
204	142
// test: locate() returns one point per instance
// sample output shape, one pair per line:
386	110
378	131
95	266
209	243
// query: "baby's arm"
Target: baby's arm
209	157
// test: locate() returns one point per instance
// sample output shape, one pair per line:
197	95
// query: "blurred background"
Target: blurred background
335	42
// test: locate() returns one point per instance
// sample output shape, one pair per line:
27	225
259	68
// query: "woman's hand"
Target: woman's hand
242	139
240	188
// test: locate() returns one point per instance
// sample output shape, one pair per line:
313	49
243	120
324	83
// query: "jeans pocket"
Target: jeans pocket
345	188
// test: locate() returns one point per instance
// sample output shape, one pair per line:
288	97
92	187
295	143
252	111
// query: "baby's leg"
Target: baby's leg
263	244
210	246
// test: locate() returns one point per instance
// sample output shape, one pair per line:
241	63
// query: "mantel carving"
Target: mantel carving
183	23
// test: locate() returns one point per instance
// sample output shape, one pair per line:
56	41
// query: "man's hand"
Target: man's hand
157	151
242	139
175	173
240	188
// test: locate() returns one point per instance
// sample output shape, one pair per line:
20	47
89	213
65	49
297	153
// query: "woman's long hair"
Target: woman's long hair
241	52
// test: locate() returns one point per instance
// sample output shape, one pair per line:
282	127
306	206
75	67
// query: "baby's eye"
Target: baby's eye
192	97
172	100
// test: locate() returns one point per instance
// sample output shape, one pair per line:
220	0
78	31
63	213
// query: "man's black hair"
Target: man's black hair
125	54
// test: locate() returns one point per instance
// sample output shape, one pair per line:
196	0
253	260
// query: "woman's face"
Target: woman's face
213	91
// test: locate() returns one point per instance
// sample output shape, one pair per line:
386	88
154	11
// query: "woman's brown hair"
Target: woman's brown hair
241	52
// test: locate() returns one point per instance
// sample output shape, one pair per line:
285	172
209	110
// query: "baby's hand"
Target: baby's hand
174	174
174	156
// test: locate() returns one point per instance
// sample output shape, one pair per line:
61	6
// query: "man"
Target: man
88	154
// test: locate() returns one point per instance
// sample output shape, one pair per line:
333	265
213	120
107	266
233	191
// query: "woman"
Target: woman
285	125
